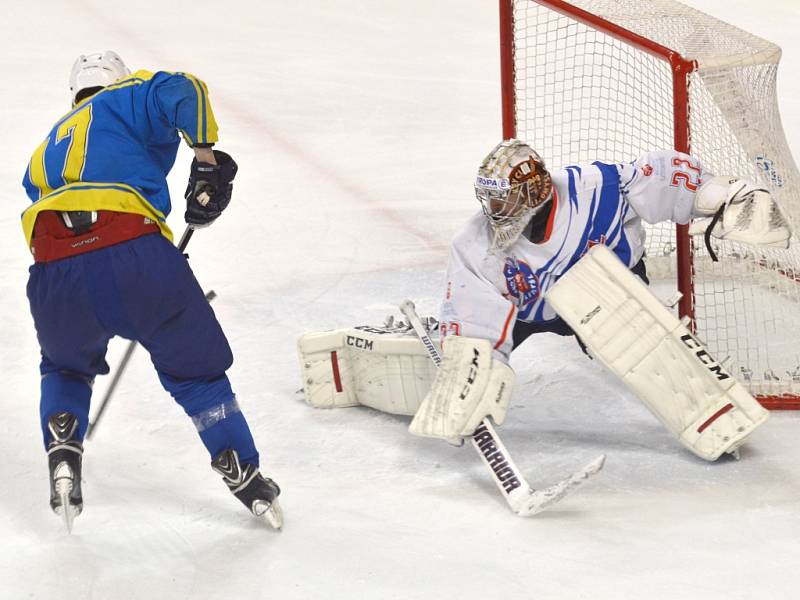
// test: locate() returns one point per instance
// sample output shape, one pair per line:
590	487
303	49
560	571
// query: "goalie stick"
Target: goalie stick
520	496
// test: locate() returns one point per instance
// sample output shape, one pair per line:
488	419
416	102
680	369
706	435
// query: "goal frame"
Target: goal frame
680	68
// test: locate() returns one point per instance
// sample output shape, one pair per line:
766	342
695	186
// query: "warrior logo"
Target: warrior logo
521	282
495	458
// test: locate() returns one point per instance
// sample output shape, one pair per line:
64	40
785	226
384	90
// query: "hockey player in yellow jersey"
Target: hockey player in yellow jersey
105	266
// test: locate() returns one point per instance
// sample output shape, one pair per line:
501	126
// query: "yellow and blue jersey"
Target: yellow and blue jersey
113	151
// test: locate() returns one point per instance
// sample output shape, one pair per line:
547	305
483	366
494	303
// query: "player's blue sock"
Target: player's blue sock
213	408
63	391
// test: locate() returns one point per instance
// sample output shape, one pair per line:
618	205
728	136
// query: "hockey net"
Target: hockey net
611	79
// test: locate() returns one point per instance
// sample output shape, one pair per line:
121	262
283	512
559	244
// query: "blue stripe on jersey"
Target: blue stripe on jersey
623	250
635	173
610	200
573	192
545	273
611	194
618	241
591	226
603	211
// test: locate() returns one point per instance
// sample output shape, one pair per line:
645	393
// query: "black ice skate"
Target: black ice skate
64	454
258	493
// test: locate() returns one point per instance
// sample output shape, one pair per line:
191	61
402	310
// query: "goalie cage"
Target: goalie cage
611	79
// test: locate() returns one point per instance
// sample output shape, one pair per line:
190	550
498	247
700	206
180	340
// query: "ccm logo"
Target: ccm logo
704	357
358	342
473	373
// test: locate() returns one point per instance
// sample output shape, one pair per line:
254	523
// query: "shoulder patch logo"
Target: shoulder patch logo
521	282
591	243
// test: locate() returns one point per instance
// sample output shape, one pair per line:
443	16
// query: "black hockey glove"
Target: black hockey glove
209	189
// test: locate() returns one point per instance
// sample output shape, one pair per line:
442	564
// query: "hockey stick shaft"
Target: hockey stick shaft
184	241
110	390
485	440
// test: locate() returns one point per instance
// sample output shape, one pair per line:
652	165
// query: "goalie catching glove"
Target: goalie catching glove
739	210
209	190
470	385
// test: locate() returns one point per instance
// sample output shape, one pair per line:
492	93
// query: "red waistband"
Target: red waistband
53	240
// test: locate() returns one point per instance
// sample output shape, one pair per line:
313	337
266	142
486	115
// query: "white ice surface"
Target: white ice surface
357	126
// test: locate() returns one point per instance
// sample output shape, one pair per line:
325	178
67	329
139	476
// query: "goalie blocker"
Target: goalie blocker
627	329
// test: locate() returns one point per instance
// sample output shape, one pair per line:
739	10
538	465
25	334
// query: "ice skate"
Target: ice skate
258	493
64	454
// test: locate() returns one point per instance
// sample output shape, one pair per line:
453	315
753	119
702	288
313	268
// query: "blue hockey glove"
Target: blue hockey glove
209	190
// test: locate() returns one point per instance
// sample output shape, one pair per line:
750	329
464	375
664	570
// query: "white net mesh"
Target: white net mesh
582	95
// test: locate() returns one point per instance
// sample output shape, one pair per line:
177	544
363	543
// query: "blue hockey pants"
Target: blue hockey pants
142	290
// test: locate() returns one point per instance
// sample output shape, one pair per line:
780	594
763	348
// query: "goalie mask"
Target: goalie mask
512	185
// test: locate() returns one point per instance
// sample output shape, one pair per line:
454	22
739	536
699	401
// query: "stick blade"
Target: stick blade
532	502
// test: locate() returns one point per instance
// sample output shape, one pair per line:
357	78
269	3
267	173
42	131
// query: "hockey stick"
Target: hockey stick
521	497
184	241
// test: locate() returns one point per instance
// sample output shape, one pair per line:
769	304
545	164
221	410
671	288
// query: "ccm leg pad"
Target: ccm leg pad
628	330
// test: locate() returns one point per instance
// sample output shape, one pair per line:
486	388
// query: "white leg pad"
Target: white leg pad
385	370
628	330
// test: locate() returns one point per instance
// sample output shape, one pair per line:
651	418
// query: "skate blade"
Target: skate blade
67	511
270	513
63	485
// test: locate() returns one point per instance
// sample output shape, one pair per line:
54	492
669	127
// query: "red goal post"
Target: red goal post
610	79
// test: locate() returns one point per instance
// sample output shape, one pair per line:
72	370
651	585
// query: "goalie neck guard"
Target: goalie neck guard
512	185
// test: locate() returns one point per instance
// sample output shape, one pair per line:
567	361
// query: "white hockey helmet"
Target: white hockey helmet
96	70
512	185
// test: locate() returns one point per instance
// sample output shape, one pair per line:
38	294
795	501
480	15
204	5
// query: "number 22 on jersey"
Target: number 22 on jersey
76	128
685	177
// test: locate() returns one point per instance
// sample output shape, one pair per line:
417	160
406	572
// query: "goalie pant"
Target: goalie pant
142	290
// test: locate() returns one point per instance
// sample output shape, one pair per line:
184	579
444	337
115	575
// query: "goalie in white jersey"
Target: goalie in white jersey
535	226
559	252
